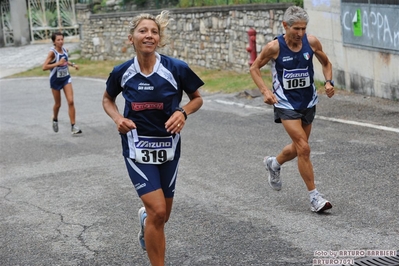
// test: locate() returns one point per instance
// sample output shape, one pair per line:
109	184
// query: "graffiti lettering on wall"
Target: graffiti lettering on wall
375	26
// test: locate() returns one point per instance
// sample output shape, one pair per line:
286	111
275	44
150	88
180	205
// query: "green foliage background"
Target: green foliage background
127	5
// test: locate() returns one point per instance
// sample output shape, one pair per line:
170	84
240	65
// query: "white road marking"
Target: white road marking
358	123
343	121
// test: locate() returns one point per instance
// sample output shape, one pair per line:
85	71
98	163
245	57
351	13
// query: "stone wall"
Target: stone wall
213	37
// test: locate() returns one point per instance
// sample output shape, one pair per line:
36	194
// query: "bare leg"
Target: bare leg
287	154
299	147
57	103
71	105
158	210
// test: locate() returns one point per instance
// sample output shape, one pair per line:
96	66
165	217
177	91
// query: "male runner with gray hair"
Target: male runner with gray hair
294	96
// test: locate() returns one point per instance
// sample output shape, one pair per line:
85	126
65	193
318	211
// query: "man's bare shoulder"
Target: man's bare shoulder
272	48
313	41
273	44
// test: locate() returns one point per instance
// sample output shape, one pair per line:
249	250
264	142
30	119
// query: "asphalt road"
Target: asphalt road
67	200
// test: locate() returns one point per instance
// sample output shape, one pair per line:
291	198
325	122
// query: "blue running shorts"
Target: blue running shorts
150	177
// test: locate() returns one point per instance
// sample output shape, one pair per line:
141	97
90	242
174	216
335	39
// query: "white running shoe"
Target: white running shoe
319	204
142	216
75	130
274	176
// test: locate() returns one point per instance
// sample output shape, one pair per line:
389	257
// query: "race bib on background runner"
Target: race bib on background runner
62	72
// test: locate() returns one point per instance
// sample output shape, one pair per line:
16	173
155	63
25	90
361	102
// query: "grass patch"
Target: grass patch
215	80
227	81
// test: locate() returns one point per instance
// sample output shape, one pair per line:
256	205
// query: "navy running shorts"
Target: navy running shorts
150	177
306	115
59	84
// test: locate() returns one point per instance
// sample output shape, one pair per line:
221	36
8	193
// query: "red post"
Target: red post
251	49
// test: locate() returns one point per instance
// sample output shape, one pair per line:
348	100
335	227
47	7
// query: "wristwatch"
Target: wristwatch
182	110
329	81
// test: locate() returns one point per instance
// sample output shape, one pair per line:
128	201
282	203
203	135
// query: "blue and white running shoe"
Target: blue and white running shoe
142	216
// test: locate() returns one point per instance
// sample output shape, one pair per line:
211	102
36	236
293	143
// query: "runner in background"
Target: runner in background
294	96
58	64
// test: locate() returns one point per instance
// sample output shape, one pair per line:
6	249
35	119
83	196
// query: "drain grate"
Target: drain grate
377	261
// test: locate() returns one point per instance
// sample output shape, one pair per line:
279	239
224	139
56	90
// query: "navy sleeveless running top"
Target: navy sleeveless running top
293	72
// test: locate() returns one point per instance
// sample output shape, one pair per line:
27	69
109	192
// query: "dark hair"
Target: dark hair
53	36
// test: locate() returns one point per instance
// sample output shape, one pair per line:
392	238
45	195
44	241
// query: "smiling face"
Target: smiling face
145	37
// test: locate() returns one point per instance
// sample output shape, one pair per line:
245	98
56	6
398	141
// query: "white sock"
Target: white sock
275	165
313	193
